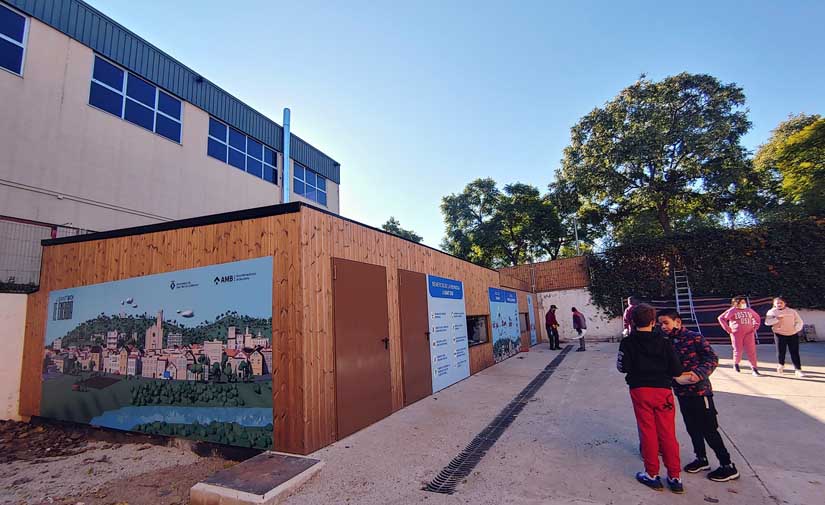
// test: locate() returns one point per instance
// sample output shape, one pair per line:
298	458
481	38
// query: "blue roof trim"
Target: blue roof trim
94	29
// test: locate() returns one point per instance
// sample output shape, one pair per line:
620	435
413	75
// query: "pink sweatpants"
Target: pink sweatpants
746	343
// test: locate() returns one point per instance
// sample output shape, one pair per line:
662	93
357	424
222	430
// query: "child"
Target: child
695	394
786	325
552	325
650	363
580	325
741	323
627	317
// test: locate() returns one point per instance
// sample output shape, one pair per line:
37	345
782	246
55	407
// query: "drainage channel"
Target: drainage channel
460	467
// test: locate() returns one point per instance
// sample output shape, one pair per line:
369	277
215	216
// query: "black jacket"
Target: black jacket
649	360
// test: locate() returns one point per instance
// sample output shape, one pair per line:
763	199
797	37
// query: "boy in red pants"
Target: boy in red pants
650	363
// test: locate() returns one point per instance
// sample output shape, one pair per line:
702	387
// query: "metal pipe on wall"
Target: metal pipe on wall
287	171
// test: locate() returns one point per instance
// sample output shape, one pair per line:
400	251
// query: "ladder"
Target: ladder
684	300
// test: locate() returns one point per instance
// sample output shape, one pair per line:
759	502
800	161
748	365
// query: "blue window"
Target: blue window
309	184
241	151
13	28
134	99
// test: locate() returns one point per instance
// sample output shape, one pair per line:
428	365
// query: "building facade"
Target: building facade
102	130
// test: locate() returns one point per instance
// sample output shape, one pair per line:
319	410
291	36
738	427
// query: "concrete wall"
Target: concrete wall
599	325
64	161
816	318
12	328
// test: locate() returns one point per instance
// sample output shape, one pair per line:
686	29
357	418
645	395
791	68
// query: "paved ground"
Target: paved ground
575	443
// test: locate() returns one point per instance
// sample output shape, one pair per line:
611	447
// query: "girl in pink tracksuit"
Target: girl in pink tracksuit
741	323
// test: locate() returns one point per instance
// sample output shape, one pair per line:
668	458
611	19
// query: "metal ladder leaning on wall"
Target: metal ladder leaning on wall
684	300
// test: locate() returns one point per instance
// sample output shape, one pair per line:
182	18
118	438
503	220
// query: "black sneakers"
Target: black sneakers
736	367
653	483
697	465
724	473
676	485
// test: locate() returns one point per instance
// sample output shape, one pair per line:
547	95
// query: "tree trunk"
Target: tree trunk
664	218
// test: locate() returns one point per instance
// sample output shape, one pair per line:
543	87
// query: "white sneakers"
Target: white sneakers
799	373
780	369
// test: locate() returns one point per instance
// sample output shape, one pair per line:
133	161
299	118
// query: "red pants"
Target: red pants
746	343
656	418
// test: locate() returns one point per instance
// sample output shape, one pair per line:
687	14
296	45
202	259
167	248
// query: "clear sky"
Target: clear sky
415	99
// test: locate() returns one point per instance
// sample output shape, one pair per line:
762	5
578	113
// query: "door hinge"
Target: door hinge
334	272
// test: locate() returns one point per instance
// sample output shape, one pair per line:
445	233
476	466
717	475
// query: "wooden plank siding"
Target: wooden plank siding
567	273
84	263
323	237
303	244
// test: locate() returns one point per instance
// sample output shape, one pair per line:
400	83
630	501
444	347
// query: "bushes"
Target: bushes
217	432
781	258
186	393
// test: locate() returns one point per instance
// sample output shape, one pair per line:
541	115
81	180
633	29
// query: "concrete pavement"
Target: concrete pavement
575	443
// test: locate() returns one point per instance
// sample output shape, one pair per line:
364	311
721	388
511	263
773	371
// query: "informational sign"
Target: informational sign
185	353
531	314
449	355
505	322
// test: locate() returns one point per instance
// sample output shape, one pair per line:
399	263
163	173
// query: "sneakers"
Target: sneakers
697	465
736	367
724	473
653	483
756	373
799	373
780	369
676	485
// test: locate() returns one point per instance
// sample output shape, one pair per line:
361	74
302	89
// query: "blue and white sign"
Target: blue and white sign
531	314
449	355
505	322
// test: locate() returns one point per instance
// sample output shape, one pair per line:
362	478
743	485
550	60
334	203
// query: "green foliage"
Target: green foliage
394	226
785	259
188	393
660	154
216	432
496	228
801	161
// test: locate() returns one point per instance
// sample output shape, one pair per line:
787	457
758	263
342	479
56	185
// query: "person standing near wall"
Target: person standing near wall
580	325
627	317
786	325
741	323
552	325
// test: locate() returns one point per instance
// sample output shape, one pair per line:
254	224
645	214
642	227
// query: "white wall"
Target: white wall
816	318
64	161
12	328
599	325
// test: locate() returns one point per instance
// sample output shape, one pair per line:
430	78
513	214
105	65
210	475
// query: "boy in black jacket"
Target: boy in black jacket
650	363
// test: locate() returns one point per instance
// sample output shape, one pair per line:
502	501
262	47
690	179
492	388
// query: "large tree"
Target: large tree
791	167
498	228
661	154
394	226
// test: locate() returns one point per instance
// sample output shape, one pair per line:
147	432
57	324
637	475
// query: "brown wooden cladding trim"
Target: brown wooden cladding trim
567	273
90	262
481	357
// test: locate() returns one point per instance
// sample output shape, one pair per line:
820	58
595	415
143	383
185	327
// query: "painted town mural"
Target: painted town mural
185	354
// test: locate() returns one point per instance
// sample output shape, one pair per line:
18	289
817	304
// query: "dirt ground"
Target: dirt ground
71	464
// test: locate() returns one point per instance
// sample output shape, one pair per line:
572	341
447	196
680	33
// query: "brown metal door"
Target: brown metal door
362	357
415	335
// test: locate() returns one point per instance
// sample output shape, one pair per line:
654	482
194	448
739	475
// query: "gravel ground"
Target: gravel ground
60	464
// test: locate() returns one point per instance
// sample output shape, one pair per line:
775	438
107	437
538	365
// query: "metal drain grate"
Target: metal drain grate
461	466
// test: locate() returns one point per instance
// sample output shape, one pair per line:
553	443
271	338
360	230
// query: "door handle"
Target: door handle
386	341
427	333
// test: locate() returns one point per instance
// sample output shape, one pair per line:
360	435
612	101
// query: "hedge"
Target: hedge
785	259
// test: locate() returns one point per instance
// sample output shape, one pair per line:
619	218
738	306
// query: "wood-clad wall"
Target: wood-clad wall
510	282
567	273
324	237
92	262
481	357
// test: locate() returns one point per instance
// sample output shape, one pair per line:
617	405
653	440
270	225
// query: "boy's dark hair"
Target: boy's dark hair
633	300
572	309
643	315
736	299
671	313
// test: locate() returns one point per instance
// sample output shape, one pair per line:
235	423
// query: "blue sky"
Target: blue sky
251	296
416	99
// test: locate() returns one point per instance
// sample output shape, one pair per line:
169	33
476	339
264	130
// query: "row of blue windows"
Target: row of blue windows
13	27
231	146
127	96
310	185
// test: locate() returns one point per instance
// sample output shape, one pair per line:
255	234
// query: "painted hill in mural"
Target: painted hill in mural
92	331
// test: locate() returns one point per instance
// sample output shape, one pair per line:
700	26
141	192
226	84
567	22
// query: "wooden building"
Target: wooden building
344	294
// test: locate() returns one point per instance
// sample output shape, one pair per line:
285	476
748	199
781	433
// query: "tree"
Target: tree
394	226
496	228
216	371
790	165
661	152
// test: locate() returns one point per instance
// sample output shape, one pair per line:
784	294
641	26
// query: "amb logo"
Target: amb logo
223	279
